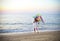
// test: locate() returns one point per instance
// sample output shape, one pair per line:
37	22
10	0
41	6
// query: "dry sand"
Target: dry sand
41	36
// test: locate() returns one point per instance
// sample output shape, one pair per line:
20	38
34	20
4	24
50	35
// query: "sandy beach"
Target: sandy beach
41	36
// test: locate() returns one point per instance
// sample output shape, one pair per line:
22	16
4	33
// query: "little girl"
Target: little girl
36	22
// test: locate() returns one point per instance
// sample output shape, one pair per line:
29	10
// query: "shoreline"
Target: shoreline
12	33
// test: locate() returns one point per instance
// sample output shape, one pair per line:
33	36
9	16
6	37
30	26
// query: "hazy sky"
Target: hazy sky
29	5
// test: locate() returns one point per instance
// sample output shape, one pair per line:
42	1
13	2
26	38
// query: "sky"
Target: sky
29	5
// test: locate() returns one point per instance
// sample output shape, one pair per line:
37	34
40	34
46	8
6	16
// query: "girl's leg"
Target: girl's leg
34	29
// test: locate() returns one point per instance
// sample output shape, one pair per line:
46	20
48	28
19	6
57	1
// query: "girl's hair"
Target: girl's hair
36	19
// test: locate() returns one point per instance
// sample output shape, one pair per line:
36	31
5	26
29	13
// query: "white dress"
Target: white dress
36	24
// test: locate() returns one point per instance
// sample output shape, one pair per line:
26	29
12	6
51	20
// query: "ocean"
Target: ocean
24	24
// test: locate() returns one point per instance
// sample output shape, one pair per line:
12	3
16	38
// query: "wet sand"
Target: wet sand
41	36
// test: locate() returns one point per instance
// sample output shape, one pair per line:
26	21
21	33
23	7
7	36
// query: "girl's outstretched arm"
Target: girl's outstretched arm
42	19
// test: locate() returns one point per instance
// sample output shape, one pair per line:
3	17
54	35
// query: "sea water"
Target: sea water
26	25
